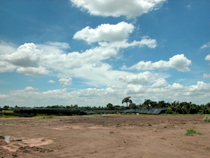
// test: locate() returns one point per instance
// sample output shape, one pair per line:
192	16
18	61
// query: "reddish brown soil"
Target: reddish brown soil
105	136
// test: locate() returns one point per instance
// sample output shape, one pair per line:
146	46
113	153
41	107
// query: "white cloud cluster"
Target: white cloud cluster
205	45
52	57
25	59
116	8
105	32
179	62
198	93
113	36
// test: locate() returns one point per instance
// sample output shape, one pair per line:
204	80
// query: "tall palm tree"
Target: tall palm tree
127	100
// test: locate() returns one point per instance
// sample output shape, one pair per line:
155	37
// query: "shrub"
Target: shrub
206	119
192	132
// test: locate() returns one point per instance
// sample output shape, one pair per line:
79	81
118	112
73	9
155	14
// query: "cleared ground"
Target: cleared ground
105	136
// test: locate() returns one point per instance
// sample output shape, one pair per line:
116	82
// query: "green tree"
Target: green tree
110	106
133	106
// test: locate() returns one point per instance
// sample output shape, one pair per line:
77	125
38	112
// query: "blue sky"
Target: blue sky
94	52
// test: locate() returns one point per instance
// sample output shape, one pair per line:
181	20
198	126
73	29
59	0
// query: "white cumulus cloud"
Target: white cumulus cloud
116	8
105	32
179	62
26	56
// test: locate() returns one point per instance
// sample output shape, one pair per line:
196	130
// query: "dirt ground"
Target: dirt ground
105	136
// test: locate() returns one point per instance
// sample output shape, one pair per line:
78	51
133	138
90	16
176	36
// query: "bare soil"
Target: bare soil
105	136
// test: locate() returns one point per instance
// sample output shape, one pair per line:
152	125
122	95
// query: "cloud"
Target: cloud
26	56
38	59
207	57
146	41
51	81
134	89
205	45
189	6
176	86
206	75
198	93
105	32
141	78
179	62
29	89
2	96
200	86
116	8
161	82
6	67
7	48
65	81
40	71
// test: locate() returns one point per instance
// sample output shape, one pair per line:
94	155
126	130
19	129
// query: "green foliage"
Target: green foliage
192	132
110	106
132	106
206	119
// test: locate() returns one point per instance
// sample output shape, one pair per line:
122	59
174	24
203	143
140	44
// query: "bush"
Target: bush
206	119
192	132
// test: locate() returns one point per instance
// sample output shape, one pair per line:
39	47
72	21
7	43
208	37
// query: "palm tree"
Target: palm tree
127	100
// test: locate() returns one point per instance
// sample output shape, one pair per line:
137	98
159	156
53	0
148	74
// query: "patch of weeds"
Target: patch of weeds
206	119
7	116
47	117
192	132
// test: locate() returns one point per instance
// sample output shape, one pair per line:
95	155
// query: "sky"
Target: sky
95	52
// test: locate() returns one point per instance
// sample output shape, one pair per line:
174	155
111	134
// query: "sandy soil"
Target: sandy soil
105	136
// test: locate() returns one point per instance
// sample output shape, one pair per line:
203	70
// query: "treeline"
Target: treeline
171	108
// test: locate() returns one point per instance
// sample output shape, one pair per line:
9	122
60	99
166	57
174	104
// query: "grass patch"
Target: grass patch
192	132
206	119
48	117
44	116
